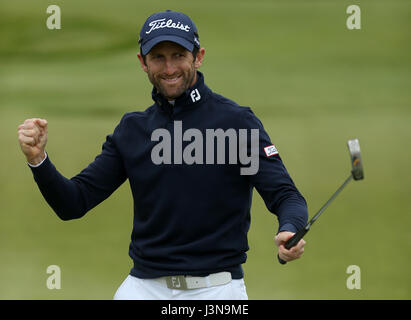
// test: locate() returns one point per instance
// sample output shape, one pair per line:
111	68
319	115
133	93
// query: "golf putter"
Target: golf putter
357	173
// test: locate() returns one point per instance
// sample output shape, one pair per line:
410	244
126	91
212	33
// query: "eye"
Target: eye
156	56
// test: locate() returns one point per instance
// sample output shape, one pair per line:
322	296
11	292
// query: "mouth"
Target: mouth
171	80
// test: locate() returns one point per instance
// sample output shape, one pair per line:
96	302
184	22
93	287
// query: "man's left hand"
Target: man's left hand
292	254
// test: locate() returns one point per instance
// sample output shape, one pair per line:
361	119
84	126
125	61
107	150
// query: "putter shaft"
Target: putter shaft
300	234
309	224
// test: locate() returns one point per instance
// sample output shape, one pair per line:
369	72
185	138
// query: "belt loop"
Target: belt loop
207	281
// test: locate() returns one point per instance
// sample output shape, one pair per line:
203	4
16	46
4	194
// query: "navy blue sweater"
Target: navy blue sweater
188	218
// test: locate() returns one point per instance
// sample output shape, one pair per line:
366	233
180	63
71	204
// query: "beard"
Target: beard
171	90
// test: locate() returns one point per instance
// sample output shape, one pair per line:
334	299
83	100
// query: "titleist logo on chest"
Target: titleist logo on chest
161	23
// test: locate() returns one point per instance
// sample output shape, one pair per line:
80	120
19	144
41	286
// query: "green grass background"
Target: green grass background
313	83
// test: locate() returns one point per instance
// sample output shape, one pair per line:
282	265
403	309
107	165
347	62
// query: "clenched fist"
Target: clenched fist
33	138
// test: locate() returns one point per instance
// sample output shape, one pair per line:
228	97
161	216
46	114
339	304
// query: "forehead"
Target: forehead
166	46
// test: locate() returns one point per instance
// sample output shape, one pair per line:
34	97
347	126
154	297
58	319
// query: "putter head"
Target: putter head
355	153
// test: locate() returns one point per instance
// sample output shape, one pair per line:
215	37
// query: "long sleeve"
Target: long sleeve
274	184
73	198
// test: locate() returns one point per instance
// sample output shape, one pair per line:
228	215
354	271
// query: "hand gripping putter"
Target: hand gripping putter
357	173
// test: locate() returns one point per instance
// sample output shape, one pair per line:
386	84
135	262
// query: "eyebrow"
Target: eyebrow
154	52
173	48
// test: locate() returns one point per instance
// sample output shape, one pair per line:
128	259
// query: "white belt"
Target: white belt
190	282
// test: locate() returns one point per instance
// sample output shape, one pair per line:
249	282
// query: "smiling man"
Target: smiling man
171	68
191	218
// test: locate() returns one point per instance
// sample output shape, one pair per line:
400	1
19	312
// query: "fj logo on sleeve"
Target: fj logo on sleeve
195	95
270	150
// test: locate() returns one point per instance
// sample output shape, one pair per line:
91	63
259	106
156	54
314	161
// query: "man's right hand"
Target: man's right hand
33	138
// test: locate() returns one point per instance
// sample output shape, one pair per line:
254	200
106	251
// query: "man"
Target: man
192	198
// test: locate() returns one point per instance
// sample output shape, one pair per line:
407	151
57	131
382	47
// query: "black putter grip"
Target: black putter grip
293	242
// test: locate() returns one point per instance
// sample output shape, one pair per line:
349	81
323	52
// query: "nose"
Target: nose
170	67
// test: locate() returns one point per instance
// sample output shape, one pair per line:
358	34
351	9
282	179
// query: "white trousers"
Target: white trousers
134	288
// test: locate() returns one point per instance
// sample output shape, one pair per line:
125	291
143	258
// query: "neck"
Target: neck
194	79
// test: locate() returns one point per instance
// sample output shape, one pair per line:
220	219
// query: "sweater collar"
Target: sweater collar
190	98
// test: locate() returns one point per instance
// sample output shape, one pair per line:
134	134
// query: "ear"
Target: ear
199	58
143	65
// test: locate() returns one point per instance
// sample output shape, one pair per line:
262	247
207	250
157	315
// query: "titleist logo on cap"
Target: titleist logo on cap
161	23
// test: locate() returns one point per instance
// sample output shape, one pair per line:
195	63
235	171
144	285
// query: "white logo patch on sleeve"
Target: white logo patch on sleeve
270	150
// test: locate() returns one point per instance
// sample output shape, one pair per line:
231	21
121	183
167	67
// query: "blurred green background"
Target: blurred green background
313	83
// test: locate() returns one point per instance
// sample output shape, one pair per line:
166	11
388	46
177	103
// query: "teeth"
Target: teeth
174	79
